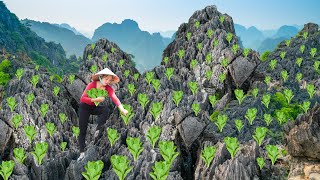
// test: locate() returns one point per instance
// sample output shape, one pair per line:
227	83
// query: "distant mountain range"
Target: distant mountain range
147	47
263	40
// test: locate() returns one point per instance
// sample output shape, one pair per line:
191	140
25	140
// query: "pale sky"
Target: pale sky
164	15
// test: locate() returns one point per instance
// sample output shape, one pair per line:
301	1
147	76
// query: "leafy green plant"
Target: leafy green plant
196	108
181	53
6	169
193	63
63	146
232	145
130	114
37	67
299	61
135	76
56	90
222	77
177	96
30	132
235	48
93	170
120	165
113	135
51	78
62	117
189	34
246	52
95	93
210	33
207	154
12	103
259	135
71	78
288	94
19	73
29	98
224	62
288	42
302	47
135	146
143	99
311	90
193	87
215	43
221	19
298	77
199	46
240	95
273	64
35	80
251	114
255	92
156	109
213	99
313	52
131	88
239	124
273	153
265	56
283	54
44	108
40	150
121	62
260	162
266	100
76	131
93	46
197	24
89	57
166	60
149	77
167	151
284	75
267	118
208	74
51	128
126	73
208	58
156	84
281	117
305	106
316	66
305	35
153	134
221	121
105	57
267	80
19	154
93	68
229	37
16	120
169	73
113	50
160	170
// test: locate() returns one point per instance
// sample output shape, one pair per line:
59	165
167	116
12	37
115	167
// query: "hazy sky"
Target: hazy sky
163	15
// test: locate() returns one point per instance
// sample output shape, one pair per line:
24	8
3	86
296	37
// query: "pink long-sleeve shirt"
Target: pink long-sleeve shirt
84	98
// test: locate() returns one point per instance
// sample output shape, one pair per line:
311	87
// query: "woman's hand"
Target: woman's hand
98	99
124	111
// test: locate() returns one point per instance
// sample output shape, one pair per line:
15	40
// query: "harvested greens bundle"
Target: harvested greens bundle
94	93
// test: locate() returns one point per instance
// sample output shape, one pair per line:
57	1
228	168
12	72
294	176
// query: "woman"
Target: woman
101	80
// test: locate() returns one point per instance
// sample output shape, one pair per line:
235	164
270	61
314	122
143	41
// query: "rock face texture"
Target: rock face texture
201	46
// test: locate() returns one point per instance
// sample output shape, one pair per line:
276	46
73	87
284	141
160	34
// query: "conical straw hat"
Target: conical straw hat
107	71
